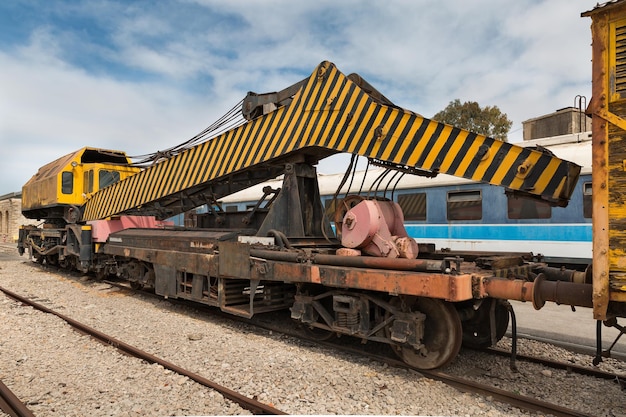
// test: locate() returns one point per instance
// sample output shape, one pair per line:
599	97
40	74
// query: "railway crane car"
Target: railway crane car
367	278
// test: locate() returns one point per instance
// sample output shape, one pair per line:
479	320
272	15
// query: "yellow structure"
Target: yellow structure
70	180
608	107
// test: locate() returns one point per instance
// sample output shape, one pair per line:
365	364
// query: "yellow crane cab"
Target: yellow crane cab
59	188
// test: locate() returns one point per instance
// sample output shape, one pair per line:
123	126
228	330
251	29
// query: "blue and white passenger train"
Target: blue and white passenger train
463	215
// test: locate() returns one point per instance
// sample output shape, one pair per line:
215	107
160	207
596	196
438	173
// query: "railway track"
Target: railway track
570	367
462	384
467	385
11	404
249	404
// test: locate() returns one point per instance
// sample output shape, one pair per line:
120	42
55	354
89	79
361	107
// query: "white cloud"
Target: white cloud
50	109
158	75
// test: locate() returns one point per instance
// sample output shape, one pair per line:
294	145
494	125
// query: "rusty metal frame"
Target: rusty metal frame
600	154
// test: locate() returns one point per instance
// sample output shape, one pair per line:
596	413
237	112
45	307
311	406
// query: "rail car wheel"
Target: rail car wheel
68	263
101	274
52	260
477	330
136	285
443	333
39	258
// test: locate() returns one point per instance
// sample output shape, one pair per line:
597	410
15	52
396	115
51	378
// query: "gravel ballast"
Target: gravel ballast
58	371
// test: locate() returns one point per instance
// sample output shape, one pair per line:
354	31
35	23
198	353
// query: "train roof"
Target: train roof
573	147
600	7
84	155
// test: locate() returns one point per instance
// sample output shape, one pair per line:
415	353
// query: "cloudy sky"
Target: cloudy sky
140	76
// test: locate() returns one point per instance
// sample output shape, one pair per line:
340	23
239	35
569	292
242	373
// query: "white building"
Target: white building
11	217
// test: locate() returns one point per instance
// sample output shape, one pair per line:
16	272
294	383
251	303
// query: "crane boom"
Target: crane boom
330	113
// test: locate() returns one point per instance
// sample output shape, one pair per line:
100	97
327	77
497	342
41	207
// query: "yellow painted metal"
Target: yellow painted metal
617	56
612	118
333	114
619	296
608	107
45	189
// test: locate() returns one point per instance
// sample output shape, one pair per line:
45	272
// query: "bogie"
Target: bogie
424	332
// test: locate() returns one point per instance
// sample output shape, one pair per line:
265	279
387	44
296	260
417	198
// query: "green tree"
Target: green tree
489	120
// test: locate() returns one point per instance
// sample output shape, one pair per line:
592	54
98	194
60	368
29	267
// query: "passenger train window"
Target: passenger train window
527	208
465	205
587	202
106	177
67	182
413	206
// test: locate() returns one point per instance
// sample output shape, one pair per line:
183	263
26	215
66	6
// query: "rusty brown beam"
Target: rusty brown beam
10	404
538	291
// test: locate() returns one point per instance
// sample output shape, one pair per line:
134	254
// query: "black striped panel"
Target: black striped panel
331	112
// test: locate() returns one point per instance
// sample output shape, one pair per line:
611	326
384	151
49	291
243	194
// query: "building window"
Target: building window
587	200
465	205
67	183
413	206
527	208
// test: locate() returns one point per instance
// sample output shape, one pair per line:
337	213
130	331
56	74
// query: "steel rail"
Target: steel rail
570	367
464	385
10	404
249	404
520	401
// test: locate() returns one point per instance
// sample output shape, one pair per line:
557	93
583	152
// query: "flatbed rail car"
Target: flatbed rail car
370	280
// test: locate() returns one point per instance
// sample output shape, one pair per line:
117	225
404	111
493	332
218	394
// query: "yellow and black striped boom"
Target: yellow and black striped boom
331	113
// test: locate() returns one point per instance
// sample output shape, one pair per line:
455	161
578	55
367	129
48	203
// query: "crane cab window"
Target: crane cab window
587	201
106	178
67	182
465	205
413	206
527	208
88	181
